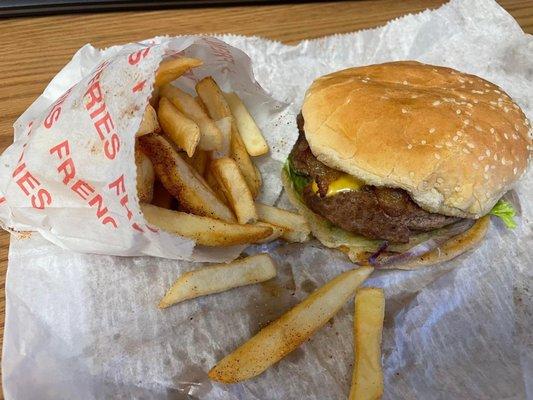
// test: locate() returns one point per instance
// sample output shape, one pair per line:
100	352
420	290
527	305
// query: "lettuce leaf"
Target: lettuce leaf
505	211
299	181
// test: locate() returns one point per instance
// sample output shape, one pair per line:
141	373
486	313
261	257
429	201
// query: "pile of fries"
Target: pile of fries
196	179
195	173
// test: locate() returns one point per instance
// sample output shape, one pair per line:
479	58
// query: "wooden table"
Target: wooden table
34	49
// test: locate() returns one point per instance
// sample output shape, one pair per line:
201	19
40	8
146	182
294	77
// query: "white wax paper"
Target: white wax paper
75	145
86	326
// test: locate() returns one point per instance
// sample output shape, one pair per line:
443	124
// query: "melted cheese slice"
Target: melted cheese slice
345	183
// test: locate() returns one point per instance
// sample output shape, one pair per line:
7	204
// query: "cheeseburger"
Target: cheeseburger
400	164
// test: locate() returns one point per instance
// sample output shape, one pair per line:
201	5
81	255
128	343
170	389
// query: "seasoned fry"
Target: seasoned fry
276	232
204	230
224	126
145	176
149	123
181	180
183	132
172	69
284	335
250	133
199	161
219	278
218	108
367	380
235	189
295	226
162	198
213	99
210	137
249	171
213	184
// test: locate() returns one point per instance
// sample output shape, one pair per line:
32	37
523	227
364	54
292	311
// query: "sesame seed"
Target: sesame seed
414	96
457	189
463	87
470	145
411	174
462	96
477	91
436	103
471	82
515	136
479	128
475	165
459	133
475	101
516	106
487	152
506	109
440	180
458	112
404	111
515	170
496	91
495	157
516	127
449	144
493	103
500	99
492	166
466	151
423	142
486	168
487	85
485	176
466	121
470	105
491	130
409	146
438	146
506	136
432	130
437	156
461	80
455	138
404	82
480	158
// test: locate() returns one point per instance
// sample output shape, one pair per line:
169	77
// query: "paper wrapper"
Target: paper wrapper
70	172
86	326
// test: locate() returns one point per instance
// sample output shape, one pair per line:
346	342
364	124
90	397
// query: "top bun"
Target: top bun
454	141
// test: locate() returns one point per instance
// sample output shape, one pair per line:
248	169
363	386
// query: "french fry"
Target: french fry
276	232
284	335
219	278
235	189
162	198
181	180
183	132
215	187
210	137
172	69
367	380
199	161
145	176
203	230
296	227
250	133
218	108
149	123
224	126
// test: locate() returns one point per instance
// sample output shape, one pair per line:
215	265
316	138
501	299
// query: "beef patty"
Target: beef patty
374	212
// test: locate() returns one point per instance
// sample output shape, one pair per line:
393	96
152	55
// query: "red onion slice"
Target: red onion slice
440	237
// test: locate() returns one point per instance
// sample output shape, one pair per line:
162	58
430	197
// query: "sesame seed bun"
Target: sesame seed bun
455	142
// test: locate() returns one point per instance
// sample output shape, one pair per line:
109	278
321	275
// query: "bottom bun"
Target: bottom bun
359	248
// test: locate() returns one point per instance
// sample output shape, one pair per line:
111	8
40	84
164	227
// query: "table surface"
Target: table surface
35	49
